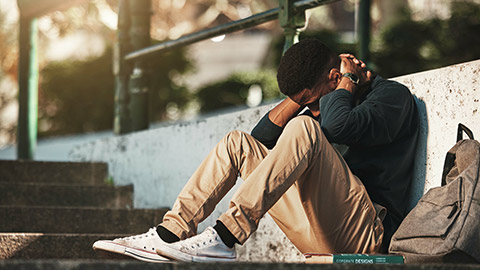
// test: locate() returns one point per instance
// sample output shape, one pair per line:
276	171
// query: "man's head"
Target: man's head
306	65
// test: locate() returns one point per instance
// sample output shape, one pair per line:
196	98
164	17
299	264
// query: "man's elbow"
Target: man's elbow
337	134
330	133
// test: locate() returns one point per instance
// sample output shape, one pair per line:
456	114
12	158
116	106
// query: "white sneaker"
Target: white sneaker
205	247
141	247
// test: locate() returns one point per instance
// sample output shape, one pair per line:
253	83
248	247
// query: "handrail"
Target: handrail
234	26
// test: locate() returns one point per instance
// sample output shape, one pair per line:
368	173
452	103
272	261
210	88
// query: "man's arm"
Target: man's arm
269	128
284	112
376	121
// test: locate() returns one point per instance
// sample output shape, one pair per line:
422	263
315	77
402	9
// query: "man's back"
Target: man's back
381	132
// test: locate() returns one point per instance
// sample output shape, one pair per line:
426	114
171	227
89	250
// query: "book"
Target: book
353	258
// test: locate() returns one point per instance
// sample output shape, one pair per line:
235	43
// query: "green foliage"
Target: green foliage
77	96
167	90
462	32
233	91
409	46
401	50
109	181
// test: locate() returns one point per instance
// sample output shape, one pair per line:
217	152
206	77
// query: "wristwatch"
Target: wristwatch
353	78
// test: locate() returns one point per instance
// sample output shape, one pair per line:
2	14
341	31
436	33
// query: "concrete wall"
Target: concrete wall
445	97
159	162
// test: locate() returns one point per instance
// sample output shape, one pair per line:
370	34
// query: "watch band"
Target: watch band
353	78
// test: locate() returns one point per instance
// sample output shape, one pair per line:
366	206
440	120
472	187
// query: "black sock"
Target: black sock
166	235
227	237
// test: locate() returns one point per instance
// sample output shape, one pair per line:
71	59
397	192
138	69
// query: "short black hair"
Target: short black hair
303	65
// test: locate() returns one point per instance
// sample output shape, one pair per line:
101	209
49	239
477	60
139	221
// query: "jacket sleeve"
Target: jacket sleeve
266	132
376	121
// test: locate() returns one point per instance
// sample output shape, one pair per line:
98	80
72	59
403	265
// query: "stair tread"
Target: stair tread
51	172
41	194
53	246
78	220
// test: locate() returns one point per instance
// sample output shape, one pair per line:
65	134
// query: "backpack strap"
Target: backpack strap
450	158
462	128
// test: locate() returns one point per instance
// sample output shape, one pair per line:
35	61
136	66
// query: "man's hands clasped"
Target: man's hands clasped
350	64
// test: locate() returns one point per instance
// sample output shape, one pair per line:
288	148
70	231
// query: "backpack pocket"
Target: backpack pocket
438	211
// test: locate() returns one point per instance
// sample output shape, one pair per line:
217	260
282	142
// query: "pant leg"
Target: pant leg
311	194
237	154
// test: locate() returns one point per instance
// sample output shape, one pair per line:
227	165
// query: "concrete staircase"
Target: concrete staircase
56	210
51	213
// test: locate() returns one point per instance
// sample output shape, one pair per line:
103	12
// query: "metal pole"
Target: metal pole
122	70
28	89
291	21
363	30
140	78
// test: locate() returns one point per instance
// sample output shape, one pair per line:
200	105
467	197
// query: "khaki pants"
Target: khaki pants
303	183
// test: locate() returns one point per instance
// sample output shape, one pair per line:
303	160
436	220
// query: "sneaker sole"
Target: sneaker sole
138	254
166	251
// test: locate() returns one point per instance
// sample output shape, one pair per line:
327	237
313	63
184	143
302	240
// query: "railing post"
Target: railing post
122	70
290	21
28	89
139	85
363	30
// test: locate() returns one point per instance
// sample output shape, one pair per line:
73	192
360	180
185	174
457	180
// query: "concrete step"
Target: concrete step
40	194
78	220
20	171
53	246
137	265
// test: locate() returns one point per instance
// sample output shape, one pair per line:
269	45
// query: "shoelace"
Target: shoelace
200	240
139	236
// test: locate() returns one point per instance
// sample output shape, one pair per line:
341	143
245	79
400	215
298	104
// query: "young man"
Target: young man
323	201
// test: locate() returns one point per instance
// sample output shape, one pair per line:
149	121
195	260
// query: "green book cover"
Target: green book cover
367	259
354	258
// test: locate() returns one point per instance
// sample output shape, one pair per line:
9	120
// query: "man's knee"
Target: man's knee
304	124
234	135
305	130
234	138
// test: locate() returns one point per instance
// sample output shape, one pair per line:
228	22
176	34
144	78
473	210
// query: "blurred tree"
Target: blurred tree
175	18
462	33
169	96
400	52
408	46
77	96
8	76
234	90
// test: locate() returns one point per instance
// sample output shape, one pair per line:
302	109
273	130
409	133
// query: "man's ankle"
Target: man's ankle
166	235
227	237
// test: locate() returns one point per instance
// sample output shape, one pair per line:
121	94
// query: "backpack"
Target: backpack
445	224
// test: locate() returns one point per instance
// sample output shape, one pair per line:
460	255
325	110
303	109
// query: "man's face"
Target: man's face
310	95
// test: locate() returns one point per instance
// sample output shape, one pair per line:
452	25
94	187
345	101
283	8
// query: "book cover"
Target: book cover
354	258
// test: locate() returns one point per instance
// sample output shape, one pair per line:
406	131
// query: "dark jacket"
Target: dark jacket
381	134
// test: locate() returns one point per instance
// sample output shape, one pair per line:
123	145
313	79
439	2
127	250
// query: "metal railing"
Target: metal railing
131	107
223	29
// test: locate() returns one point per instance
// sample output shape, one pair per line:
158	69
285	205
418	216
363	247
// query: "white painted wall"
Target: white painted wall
159	162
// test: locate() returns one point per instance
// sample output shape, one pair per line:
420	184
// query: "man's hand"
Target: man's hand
350	64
